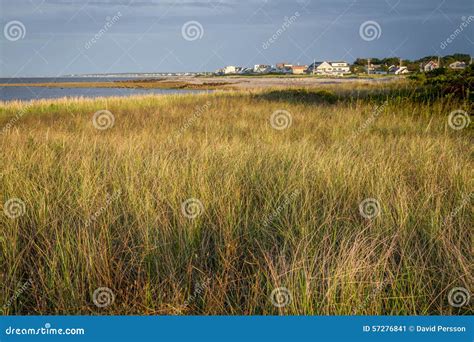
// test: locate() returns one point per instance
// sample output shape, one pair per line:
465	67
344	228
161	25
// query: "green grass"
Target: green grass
280	207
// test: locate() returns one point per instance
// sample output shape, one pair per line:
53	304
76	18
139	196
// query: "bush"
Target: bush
444	82
302	96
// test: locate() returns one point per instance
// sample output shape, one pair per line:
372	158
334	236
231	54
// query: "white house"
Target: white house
329	68
430	66
457	65
320	68
246	71
261	68
298	69
398	70
230	69
340	68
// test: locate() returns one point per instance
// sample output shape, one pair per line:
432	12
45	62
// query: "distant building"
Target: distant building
283	65
371	68
375	69
284	68
231	69
340	68
458	65
262	68
329	68
246	71
299	69
320	68
430	66
398	70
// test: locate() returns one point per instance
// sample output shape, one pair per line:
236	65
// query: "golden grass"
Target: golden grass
280	207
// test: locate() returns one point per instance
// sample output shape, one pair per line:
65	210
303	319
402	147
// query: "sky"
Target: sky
63	37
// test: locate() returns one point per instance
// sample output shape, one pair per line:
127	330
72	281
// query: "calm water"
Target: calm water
32	93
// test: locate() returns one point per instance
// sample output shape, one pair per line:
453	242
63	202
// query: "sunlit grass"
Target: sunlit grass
222	150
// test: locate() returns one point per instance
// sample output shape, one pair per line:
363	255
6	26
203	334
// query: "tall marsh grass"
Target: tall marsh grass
273	208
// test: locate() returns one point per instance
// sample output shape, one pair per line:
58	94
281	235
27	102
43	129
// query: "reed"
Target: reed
197	204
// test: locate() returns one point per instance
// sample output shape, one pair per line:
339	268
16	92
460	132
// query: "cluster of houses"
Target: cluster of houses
400	69
377	69
338	68
317	68
432	65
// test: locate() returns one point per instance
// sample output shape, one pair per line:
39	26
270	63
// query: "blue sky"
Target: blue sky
56	37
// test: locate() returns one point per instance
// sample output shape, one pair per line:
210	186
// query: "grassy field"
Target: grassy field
280	202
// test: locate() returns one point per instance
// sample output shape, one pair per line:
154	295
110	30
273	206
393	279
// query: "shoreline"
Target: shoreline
211	83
